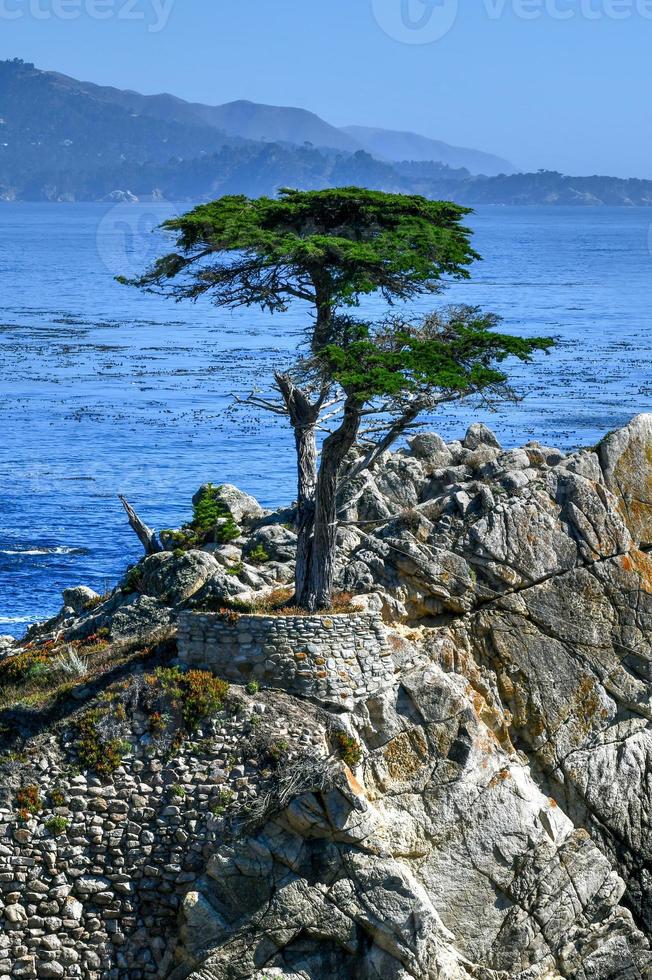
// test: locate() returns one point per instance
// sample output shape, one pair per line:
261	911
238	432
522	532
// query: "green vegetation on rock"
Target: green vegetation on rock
57	825
212	523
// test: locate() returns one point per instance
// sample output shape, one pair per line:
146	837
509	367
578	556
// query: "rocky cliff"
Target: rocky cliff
481	810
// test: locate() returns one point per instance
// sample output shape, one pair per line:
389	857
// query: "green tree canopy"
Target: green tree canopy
328	248
399	369
453	353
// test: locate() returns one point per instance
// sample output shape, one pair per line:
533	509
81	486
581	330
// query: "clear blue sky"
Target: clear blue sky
520	78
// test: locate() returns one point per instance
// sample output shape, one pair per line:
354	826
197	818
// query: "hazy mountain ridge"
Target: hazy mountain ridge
260	122
395	146
42	101
63	140
240	119
45	119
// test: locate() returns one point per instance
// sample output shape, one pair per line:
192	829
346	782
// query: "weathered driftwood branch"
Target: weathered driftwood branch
304	775
148	538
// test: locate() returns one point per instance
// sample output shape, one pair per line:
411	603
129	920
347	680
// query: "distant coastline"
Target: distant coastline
275	166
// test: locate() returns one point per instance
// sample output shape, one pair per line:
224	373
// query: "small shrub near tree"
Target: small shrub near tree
133	580
258	555
196	694
227	531
208	510
212	523
56	825
29	798
97	750
348	749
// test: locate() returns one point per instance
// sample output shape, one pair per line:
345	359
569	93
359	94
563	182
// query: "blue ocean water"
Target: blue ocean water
105	390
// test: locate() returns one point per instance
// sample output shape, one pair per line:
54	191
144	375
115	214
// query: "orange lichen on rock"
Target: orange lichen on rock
406	754
641	563
353	783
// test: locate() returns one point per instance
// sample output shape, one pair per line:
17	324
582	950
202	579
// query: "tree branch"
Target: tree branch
257	402
148	538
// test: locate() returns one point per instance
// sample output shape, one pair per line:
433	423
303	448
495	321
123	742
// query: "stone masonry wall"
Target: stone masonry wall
97	897
100	900
336	660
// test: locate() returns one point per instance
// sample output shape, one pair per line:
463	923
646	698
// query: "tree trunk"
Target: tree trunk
306	444
324	548
303	418
322	333
148	538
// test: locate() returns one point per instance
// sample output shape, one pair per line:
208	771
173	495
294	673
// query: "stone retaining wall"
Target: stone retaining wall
336	660
100	900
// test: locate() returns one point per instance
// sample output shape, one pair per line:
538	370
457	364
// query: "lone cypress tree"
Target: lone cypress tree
329	249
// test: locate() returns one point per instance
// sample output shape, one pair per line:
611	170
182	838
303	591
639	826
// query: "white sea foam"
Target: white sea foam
42	551
16	619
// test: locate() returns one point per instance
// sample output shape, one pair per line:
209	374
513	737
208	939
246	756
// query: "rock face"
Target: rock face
241	506
79	598
7	643
626	460
443	859
535	562
484	810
